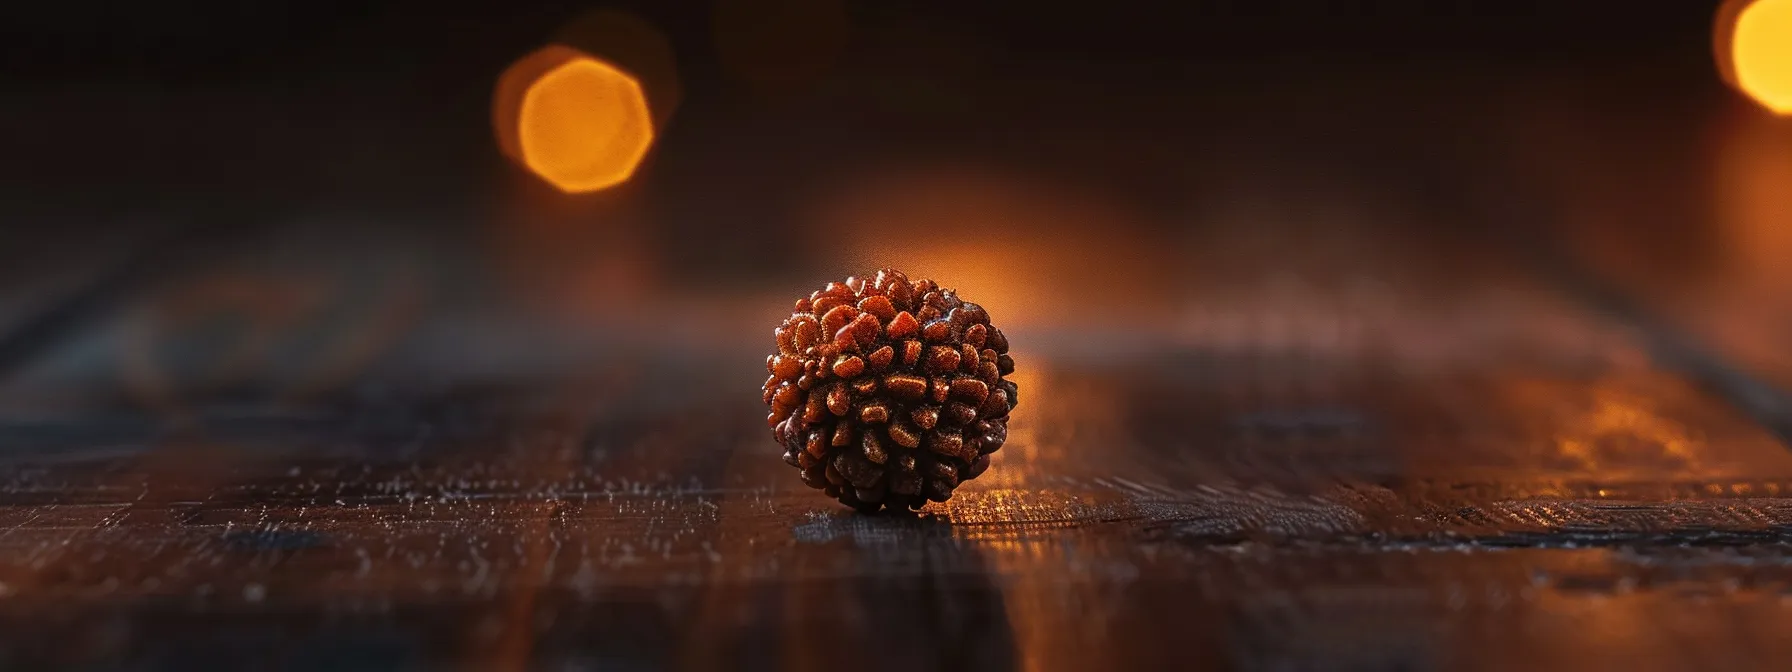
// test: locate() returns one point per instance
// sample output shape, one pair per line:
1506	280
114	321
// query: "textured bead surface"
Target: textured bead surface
888	392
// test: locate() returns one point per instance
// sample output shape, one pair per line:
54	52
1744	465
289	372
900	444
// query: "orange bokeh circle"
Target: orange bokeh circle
577	121
1753	45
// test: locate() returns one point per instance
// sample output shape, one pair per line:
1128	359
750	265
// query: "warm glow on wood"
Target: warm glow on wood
1754	50
575	121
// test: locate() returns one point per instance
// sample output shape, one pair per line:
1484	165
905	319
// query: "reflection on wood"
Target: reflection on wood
1136	524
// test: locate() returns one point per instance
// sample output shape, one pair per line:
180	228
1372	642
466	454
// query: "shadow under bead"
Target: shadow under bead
889	392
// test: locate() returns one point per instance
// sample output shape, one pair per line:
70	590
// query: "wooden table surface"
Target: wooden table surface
1386	474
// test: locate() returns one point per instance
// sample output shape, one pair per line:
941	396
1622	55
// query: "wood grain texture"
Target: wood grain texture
1141	517
1400	468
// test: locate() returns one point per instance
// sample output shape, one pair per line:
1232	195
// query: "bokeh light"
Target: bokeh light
1754	50
1037	252
578	122
634	45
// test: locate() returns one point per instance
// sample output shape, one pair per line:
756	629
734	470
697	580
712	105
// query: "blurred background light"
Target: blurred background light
635	46
588	257
578	122
1754	50
1021	244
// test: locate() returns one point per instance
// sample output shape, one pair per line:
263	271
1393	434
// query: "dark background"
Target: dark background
388	103
1367	335
1120	147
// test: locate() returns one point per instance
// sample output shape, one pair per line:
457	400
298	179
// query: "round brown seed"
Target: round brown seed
864	387
805	332
839	402
902	326
848	367
976	335
937	331
950	444
880	358
960	414
786	368
926	416
879	306
822	305
911	352
886	392
904	436
942	359
873	448
970	389
997	405
838	317
906	386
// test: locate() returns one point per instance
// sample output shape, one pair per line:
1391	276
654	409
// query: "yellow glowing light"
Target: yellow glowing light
1754	50
584	126
578	122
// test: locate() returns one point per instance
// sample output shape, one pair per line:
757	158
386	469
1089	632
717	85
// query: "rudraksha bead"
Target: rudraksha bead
889	392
